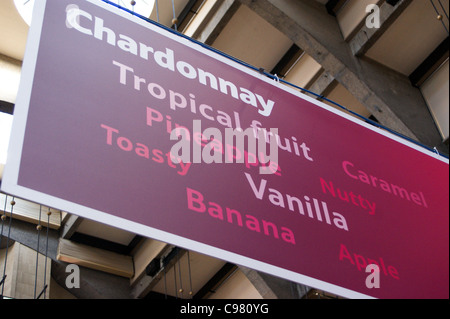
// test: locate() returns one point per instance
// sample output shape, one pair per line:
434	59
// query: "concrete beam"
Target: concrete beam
221	14
94	284
321	84
389	96
165	259
27	234
270	287
70	226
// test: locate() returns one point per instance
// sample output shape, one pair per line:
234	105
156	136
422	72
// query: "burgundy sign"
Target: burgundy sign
102	91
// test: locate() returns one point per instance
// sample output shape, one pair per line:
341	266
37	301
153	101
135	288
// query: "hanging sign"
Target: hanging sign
123	122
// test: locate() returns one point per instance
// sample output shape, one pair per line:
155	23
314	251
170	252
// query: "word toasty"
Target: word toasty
143	151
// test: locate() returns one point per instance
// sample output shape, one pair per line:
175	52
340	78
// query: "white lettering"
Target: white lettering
165	59
73	19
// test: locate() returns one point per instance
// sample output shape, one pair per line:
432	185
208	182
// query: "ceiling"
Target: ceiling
13	31
250	38
411	38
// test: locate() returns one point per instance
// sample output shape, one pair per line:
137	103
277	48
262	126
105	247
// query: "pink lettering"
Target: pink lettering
195	200
361	262
109	132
